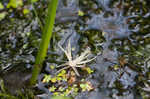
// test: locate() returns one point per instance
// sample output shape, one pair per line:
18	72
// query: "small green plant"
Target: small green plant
73	87
87	86
80	13
59	77
26	11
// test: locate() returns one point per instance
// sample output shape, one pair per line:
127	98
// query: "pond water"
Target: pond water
117	31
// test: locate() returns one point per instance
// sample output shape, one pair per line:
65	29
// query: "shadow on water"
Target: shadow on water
117	31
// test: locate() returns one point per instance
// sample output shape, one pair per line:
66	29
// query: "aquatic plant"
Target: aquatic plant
80	13
46	36
73	87
79	61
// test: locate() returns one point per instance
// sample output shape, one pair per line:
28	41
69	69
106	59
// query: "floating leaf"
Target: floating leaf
54	79
59	78
25	46
89	86
61	89
26	11
53	88
115	67
47	78
55	94
89	70
62	73
80	13
86	86
52	67
83	86
2	15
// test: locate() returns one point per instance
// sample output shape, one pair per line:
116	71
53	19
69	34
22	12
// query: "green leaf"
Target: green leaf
15	3
80	13
26	11
2	15
47	78
52	67
62	73
1	6
83	86
52	89
89	70
54	79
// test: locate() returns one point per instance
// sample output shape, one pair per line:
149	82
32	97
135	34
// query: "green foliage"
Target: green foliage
2	15
85	86
52	67
26	11
47	78
80	13
116	67
52	89
15	3
72	88
54	79
1	6
89	70
60	77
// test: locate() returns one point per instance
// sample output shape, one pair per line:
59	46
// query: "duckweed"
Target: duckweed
67	84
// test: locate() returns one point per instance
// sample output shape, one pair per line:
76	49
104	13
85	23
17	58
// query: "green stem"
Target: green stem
46	36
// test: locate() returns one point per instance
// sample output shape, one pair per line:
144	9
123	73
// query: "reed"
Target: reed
46	36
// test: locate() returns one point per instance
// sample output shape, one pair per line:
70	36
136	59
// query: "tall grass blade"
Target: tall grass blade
46	36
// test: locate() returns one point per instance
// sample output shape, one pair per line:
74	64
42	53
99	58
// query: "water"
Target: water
116	31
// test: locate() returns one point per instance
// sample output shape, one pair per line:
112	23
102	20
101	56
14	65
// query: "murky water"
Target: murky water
116	31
